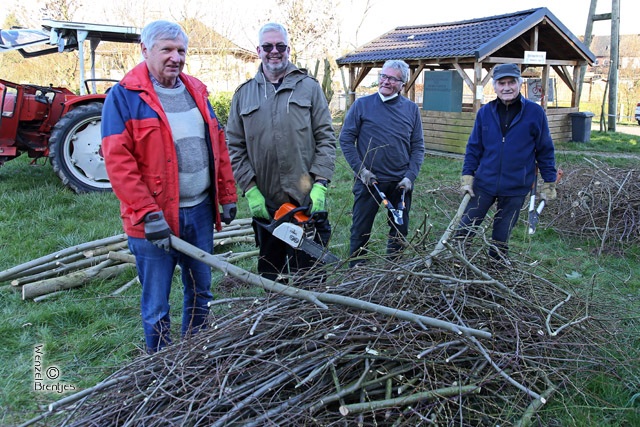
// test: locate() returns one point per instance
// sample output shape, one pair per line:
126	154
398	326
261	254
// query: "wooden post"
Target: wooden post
478	87
613	64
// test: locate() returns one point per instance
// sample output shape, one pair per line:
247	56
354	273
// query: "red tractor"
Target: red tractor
53	122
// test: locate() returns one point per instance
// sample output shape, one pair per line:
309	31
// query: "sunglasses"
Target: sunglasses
268	47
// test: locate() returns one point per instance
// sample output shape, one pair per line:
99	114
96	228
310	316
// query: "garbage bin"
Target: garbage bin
581	126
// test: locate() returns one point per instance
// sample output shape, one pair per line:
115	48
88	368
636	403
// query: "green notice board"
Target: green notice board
442	91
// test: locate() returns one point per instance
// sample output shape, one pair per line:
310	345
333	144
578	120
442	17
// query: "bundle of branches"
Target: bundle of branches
106	258
394	344
598	201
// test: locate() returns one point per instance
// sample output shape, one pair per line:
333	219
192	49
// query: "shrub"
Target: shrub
221	102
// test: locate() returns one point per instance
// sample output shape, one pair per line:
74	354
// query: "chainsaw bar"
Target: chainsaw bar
297	230
295	236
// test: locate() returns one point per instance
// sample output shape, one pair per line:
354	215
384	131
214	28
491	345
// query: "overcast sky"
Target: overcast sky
383	15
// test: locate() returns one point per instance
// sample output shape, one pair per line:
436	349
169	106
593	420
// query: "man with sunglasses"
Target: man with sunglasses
282	147
383	143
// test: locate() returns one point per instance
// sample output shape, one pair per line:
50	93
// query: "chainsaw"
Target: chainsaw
293	226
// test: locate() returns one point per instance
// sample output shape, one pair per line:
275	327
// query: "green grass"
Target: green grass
88	334
606	142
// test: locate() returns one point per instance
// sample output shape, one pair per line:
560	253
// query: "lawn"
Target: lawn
87	333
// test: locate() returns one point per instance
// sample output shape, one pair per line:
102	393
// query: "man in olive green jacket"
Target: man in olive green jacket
282	147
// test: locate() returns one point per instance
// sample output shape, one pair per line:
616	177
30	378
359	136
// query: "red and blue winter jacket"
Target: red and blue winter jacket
140	154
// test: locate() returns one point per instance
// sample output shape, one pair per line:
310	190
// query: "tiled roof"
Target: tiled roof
473	39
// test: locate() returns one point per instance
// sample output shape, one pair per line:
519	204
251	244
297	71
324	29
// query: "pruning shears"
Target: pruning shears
534	212
395	213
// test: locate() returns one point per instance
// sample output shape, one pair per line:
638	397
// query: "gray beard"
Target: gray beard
277	69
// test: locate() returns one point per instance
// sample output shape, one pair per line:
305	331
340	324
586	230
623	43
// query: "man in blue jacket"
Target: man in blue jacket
509	143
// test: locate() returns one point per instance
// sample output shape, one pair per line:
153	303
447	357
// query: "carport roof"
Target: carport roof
470	41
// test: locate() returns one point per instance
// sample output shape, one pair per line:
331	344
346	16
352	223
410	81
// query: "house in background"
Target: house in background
467	51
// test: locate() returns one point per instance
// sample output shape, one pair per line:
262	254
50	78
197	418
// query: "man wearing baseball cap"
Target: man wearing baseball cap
510	142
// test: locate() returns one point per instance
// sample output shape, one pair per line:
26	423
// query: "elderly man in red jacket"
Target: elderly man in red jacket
168	163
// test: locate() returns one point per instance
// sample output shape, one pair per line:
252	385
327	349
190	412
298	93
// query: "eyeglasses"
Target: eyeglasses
268	47
390	78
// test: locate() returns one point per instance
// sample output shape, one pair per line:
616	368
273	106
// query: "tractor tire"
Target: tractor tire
75	150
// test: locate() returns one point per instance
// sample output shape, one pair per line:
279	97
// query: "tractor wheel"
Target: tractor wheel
75	150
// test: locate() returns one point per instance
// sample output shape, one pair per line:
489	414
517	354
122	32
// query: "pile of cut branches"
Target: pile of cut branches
393	344
598	201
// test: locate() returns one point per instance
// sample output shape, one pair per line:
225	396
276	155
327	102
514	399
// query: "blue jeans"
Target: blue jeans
155	271
366	203
506	217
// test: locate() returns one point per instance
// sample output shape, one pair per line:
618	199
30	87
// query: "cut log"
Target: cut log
104	270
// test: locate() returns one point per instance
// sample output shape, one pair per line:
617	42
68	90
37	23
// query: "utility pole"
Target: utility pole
614	61
614	64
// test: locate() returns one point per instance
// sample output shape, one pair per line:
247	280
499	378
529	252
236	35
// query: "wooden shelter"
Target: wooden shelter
533	39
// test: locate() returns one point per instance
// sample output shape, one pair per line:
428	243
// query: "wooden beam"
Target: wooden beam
563	73
488	77
503	60
577	81
534	39
545	87
415	74
359	77
464	76
602	17
352	85
478	86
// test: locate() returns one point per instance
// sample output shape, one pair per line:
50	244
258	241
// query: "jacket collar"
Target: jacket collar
138	79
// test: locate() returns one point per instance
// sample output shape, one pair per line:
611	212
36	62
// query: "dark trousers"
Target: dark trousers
366	203
277	257
506	217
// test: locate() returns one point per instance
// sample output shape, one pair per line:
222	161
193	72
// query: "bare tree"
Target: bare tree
62	10
312	26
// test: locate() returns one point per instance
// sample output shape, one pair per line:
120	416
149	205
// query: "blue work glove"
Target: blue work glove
367	177
318	197
406	184
229	213
157	231
257	203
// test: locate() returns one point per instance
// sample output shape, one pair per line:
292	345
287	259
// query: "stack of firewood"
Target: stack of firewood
100	259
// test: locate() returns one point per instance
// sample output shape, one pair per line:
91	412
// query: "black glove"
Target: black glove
367	177
229	213
157	231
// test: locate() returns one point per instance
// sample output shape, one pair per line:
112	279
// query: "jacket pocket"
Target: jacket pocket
143	129
247	110
156	187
